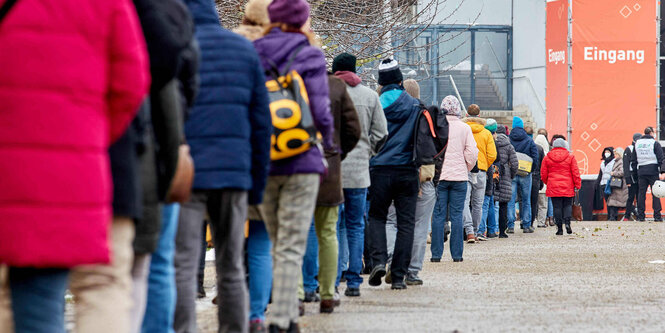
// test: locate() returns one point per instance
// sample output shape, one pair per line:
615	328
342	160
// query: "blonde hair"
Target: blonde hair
412	88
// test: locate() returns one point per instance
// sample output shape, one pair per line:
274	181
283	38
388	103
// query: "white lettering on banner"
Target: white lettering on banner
556	56
612	56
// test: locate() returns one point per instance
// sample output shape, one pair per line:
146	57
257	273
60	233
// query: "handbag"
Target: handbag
183	180
577	208
616	182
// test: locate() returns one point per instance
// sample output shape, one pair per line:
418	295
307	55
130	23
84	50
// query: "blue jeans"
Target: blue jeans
524	186
451	199
550	208
38	299
352	219
343	250
488	223
310	264
161	299
259	263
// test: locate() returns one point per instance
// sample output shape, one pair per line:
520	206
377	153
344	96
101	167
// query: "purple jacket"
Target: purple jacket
310	63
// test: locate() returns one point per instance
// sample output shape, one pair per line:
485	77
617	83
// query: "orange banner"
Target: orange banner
556	41
614	75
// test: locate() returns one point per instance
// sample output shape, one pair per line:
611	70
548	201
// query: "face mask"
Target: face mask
608	154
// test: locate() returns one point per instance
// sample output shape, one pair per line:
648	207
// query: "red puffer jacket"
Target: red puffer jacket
561	173
72	75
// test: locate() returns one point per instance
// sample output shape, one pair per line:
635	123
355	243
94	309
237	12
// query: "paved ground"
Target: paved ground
597	280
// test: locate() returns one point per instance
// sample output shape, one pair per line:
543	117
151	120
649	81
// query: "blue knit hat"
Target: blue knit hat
517	122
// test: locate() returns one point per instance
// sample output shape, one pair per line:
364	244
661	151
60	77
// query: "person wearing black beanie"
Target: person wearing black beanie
344	62
389	72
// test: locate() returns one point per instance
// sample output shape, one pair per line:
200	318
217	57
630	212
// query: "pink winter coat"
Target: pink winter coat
72	75
462	152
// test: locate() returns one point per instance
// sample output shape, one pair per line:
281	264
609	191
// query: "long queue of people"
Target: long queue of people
308	178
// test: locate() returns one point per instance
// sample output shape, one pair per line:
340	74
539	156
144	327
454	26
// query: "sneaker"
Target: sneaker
542	225
375	276
311	297
398	285
388	278
528	230
503	236
510	230
470	238
435	260
413	280
352	292
257	326
492	235
481	238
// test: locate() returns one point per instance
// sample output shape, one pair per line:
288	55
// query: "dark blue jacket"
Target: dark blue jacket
401	112
230	125
524	144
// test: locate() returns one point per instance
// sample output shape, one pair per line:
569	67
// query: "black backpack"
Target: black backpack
430	138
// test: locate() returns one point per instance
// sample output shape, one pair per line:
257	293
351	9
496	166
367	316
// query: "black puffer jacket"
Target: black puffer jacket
508	165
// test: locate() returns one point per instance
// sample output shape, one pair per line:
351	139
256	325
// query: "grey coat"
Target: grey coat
508	165
355	167
619	196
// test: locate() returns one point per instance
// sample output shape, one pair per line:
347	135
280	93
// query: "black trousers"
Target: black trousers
613	213
503	217
563	210
644	182
535	188
400	185
632	195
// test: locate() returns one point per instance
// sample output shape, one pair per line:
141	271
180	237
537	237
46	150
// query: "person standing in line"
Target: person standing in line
543	201
460	158
488	223
508	165
61	111
619	195
605	173
473	206
355	170
258	245
291	193
630	176
562	176
424	209
536	183
647	160
331	196
229	135
394	177
523	144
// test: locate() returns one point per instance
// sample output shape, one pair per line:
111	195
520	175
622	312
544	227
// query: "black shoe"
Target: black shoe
293	328
435	260
569	230
528	230
311	296
492	235
375	277
366	270
503	236
559	231
458	260
352	292
413	280
398	285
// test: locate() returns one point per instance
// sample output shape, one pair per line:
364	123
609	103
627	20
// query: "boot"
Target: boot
569	230
559	228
